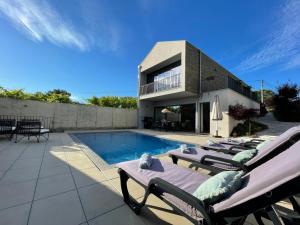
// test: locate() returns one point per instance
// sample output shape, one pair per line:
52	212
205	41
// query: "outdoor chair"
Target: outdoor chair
29	128
7	127
219	161
257	194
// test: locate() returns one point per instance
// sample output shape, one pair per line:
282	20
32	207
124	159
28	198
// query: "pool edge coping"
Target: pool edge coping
97	160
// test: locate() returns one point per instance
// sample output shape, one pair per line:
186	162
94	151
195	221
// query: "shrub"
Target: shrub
242	129
114	101
240	112
287	103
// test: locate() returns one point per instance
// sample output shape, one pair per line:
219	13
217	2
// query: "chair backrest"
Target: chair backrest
7	124
270	182
29	127
275	147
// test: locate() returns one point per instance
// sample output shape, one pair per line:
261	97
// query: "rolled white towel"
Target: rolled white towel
184	148
215	144
145	161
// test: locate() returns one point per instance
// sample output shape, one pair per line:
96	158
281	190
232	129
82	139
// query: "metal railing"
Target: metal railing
238	87
162	84
47	122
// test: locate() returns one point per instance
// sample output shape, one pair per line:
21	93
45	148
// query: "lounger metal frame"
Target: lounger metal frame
261	206
30	128
6	127
207	162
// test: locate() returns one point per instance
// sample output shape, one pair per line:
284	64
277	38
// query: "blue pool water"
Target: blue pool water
115	147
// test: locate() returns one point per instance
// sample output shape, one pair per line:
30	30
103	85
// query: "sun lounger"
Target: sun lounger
229	148
29	128
7	127
230	141
259	190
218	161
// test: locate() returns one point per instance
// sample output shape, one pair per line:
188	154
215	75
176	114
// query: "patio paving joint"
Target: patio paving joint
44	150
5	172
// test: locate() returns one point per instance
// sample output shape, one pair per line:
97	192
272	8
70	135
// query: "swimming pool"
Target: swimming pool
119	146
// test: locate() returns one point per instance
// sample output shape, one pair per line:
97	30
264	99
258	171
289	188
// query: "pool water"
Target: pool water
115	147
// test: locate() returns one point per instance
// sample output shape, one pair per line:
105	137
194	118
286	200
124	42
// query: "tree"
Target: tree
287	103
114	101
240	112
93	100
268	96
58	95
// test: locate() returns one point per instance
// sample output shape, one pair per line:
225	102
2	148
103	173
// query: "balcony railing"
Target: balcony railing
162	84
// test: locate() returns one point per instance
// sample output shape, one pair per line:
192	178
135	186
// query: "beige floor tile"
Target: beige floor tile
17	193
54	170
17	215
32	155
81	164
63	209
54	185
251	221
20	175
52	162
99	198
135	190
57	154
1	174
119	216
23	163
87	176
5	164
36	151
157	212
9	155
111	173
79	155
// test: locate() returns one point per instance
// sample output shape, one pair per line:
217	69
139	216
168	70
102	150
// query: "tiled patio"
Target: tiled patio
54	182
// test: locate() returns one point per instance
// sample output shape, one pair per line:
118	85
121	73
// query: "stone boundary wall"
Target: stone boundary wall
70	116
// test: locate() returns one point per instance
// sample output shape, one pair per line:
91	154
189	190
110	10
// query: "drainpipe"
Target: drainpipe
198	108
138	102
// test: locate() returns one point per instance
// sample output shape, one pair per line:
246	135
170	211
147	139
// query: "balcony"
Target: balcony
161	84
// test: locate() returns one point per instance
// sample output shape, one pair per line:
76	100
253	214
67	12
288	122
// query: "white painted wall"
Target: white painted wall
227	97
71	116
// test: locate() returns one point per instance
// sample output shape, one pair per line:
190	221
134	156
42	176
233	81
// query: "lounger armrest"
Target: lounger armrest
191	200
256	140
208	158
237	148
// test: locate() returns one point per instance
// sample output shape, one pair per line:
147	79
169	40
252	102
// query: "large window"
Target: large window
180	117
162	79
171	69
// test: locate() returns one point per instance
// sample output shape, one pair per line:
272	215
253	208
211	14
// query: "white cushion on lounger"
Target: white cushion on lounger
44	130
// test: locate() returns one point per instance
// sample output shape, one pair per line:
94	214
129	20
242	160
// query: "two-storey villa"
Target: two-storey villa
179	76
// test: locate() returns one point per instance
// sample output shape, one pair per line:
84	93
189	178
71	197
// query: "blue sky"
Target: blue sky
93	47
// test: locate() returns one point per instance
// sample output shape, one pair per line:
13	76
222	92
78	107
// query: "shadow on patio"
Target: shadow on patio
54	182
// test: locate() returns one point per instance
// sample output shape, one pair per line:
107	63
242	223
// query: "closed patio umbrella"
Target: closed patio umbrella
165	111
216	113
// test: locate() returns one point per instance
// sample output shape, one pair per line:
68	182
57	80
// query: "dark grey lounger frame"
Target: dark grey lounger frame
6	127
235	148
207	161
260	206
29	128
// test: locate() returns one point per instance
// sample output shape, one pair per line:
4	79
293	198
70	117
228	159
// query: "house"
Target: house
179	76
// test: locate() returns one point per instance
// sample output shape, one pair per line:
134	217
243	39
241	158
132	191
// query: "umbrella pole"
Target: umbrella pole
217	129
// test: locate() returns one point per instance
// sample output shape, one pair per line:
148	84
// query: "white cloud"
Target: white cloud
282	46
40	21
